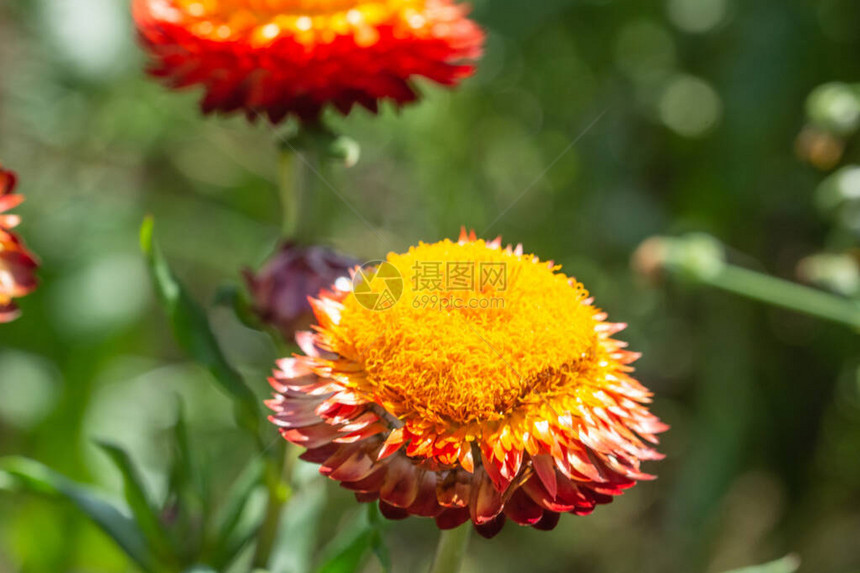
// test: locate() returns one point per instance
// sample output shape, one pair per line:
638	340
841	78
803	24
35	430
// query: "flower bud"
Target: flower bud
281	289
695	256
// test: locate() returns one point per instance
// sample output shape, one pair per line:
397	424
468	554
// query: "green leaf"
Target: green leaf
229	517
142	507
22	474
788	564
380	549
297	536
186	508
350	556
183	469
232	297
348	550
377	540
194	334
186	479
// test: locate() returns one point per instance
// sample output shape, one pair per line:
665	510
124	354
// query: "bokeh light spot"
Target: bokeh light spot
689	106
697	16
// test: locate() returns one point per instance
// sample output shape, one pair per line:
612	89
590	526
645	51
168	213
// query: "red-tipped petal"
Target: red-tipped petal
486	502
521	509
491	528
452	517
401	483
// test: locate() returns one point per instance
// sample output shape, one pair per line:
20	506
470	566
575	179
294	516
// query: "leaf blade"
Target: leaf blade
142	507
194	334
788	564
112	518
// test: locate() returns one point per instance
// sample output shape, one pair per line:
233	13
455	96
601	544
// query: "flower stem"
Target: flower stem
290	197
278	483
701	258
785	294
451	550
296	183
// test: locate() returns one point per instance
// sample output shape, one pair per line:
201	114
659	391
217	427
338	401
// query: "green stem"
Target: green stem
291	198
785	294
278	481
297	186
451	550
297	179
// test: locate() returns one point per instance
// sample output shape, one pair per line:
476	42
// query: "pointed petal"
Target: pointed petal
522	509
545	468
401	483
391	512
454	489
486	502
491	528
425	503
453	517
548	521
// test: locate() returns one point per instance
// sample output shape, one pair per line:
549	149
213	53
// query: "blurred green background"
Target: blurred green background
699	105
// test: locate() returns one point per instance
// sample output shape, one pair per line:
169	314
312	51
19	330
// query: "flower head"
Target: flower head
490	390
282	288
293	57
17	264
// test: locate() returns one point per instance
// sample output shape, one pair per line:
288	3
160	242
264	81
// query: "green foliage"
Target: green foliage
144	510
788	564
141	527
348	550
298	537
194	334
113	518
231	532
705	102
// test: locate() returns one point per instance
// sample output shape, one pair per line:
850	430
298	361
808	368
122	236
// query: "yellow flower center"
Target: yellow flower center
477	334
308	21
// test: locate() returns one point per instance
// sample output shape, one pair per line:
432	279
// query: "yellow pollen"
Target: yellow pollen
477	334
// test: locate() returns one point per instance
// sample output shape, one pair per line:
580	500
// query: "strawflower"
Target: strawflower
486	394
294	57
17	265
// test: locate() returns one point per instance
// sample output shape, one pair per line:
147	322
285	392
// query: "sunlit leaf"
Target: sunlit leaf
194	334
349	549
185	475
297	537
377	541
348	557
186	509
228	535
142	507
788	564
114	518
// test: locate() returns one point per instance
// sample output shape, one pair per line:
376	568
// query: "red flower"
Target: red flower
17	264
293	57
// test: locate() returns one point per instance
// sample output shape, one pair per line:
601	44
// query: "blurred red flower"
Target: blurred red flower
17	265
293	57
